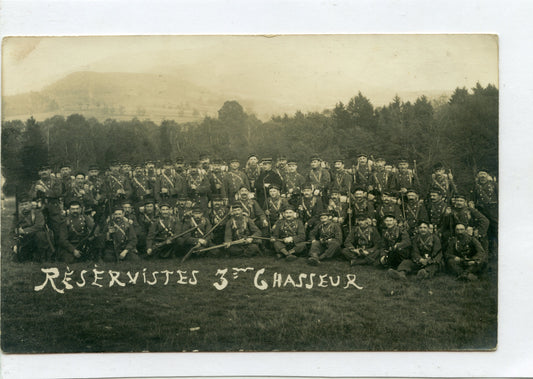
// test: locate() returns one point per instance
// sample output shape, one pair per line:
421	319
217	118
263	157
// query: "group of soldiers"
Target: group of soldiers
369	214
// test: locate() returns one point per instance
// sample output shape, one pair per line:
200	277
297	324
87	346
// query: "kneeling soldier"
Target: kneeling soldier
30	232
240	230
427	253
362	245
326	239
288	235
120	238
396	254
200	226
465	257
161	240
76	236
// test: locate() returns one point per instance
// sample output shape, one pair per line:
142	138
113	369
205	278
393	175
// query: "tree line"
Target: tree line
461	132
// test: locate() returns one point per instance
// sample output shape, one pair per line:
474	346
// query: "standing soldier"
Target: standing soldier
361	206
31	240
414	211
161	241
252	170
405	178
389	205
66	179
266	179
362	246
152	177
76	236
235	179
427	253
198	186
120	239
362	171
183	209
485	199
147	216
80	191
319	178
436	208
275	205
294	183
217	180
218	215
250	207
341	180
465	257
288	235
337	208
442	180
170	185
380	179
326	240
118	185
242	229
97	189
396	254
309	208
141	186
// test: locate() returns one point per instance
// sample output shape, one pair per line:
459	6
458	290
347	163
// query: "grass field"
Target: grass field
441	314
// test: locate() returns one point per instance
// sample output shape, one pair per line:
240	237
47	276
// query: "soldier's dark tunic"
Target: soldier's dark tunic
32	244
309	210
427	247
362	175
118	187
74	232
341	181
198	188
405	179
320	179
485	198
468	249
238	228
444	184
120	236
201	227
367	243
49	192
217	182
293	186
252	208
396	257
469	218
293	228
363	207
436	211
388	207
415	211
141	187
381	181
217	215
266	180
326	240
80	192
234	180
145	222
164	228
274	209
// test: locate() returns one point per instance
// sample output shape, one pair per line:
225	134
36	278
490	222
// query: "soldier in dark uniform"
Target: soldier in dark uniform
338	209
341	180
66	179
266	179
198	186
484	197
31	242
252	170
426	252
147	216
326	240
465	257
415	211
118	185
405	178
281	167
362	206
97	189
80	191
436	207
141	186
309	208
121	240
442	180
396	252
241	227
294	183
288	235
160	241
380	179
319	178
252	209
388	205
362	172
152	177
218	215
130	214
183	209
77	236
197	238
235	179
363	245
217	180
275	205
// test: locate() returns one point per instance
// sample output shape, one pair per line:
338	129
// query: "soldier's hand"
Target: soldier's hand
349	211
267	212
193	186
457	259
265	223
471	204
476	233
287	239
316	192
164	190
448	211
227	245
202	242
168	241
353	249
423	261
341	220
290	190
470	231
123	254
77	253
300	207
39	187
365	252
335	219
21	231
272	239
149	251
218	186
249	240
471	263
403	190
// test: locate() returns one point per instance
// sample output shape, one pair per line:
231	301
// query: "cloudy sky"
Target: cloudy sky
312	70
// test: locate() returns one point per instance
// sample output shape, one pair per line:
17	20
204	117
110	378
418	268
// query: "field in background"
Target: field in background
441	314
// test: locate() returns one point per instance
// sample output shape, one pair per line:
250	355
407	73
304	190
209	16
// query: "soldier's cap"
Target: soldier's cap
361	216
324	213
420	222
362	155
65	164
402	160
307	186
44	167
79	173
203	156
390	215
436	190
183	198
233	160
114	163
217	197
338	160
149	200
252	155
288	208
273	186
236	206
389	193
217	161
194	164
315	157
125	202
292	162
282	157
243	186
411	190
149	161
74	202
483	169
117	207
164	204
358	189
24	198
438	166
197	209
459	196
380	159
180	160
266	160
94	167
334	190
167	162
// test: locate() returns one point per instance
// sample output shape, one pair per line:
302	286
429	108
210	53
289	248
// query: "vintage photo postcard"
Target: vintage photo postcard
249	193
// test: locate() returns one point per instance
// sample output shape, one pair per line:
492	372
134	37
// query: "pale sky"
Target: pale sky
299	69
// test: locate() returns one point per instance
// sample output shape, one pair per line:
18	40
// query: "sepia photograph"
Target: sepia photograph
249	193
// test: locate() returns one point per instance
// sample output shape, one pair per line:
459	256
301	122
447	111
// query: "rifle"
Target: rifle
267	203
237	242
175	236
193	249
350	207
82	245
16	247
48	239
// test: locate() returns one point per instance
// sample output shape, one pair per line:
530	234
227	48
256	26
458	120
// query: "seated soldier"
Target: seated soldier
275	205
162	240
200	225
465	257
362	246
147	216
77	236
31	241
326	239
218	216
309	207
241	229
427	253
414	211
337	207
183	208
288	235
252	209
120	239
361	205
396	254
389	205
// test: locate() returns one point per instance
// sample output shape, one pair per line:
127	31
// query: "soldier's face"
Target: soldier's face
168	170
150	167
358	195
180	166
324	218
44	174
234	165
149	208
289	214
217	167
253	161
390	222
25	206
460	229
459	203
308	192
483	177
237	212
380	164
423	229
138	171
80	179
65	171
273	193
338	165
315	163
75	210
182	203
267	166
118	214
388	168
362	160
165	211
243	193
411	196
335	195
439	172
292	168
127	208
435	197
403	166
197	215
218	204
93	173
115	168
126	168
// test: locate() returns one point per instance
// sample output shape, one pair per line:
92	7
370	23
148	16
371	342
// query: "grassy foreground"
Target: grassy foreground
440	314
